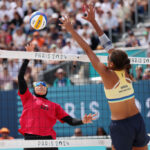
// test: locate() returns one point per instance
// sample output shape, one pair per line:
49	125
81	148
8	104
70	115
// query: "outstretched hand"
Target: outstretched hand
30	47
89	118
90	13
66	23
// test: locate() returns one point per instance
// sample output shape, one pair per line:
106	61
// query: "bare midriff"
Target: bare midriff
123	110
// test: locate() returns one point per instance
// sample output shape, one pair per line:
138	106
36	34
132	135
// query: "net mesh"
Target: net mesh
82	94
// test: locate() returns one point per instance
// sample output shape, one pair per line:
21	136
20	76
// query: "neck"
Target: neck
42	96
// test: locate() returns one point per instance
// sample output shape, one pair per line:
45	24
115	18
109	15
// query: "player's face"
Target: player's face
40	88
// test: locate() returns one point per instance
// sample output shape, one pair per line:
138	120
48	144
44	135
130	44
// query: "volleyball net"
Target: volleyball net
62	143
82	94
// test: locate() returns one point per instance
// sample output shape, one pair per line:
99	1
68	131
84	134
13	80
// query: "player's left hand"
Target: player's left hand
90	11
30	47
66	23
89	118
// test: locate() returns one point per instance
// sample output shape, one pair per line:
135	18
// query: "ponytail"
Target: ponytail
127	67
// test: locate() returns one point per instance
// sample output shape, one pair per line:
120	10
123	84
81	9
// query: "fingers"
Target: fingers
30	47
91	117
64	18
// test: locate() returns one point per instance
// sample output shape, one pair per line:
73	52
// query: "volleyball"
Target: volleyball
38	20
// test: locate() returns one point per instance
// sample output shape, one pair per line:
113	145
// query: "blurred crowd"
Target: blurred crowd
16	32
5	133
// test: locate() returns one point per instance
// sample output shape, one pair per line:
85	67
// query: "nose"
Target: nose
40	86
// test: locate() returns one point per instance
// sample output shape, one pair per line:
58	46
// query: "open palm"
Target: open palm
30	47
88	118
90	13
66	23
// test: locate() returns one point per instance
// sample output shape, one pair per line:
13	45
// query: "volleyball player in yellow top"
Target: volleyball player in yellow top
127	128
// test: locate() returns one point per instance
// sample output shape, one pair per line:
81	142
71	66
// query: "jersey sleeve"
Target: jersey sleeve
26	97
60	113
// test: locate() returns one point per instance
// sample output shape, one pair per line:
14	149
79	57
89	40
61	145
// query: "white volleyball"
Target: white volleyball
38	20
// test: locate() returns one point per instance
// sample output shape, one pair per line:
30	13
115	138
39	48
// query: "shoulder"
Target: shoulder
26	94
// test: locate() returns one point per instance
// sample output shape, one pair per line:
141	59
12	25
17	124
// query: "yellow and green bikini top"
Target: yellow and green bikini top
121	91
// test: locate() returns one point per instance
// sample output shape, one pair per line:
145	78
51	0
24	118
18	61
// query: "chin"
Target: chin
40	93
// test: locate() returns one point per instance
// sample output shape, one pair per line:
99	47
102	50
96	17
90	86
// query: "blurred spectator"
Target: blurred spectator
101	131
123	14
106	6
5	134
5	39
19	38
37	67
3	11
53	63
142	6
69	48
139	72
6	80
45	8
147	35
29	7
61	79
77	132
132	40
26	20
17	21
19	8
5	22
37	39
99	15
13	68
28	77
111	22
146	75
54	31
94	41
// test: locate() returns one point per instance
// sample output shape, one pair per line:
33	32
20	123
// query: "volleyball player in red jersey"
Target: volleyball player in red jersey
39	114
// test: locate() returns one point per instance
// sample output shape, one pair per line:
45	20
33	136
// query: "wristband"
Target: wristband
105	42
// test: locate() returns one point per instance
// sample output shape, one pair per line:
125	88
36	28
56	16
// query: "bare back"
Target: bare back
119	109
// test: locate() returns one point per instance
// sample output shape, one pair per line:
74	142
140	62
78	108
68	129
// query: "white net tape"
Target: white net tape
62	57
84	141
54	143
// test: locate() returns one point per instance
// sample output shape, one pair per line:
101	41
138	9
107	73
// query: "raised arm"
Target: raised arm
104	40
21	81
99	66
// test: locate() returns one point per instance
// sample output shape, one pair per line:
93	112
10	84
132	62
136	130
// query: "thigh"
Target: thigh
140	148
141	138
122	136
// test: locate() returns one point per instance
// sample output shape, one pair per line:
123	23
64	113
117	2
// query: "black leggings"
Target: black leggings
37	137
